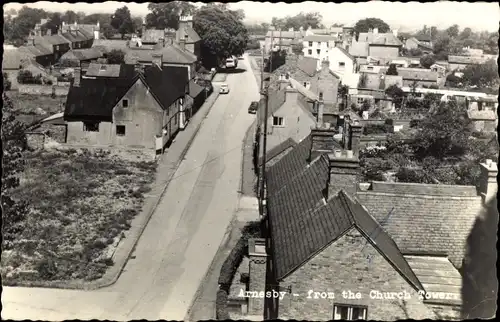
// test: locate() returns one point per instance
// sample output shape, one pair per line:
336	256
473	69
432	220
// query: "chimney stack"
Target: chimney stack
291	94
257	273
158	60
182	44
488	182
320	110
143	29
161	41
77	77
344	173
322	140
355	132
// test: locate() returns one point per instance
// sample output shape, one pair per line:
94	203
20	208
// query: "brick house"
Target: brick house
142	110
389	242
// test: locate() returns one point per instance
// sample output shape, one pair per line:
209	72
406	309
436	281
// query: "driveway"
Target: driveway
181	239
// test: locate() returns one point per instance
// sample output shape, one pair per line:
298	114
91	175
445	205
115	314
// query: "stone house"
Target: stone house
394	249
143	110
384	45
78	36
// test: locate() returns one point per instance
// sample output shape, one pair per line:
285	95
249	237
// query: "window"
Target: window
306	84
369	67
341	64
319	43
120	130
310	51
90	127
278	121
360	100
125	103
310	44
318	51
320	95
57	47
186	37
350	313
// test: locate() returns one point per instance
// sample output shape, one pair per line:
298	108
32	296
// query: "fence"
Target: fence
43	90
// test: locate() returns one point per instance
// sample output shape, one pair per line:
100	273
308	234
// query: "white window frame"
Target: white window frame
337	315
319	43
277	123
309	51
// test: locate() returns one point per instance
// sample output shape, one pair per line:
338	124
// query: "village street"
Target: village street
182	237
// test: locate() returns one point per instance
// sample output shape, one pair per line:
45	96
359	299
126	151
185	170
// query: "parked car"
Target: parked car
231	63
224	89
254	106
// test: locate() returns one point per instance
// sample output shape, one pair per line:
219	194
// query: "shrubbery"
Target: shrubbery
375	129
26	77
253	44
221	305
7	84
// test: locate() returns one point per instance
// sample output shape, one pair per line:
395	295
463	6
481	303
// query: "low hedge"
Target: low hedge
221	312
231	264
375	129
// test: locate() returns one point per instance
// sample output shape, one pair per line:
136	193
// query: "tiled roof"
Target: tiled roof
437	274
171	54
308	65
302	225
192	35
320	38
194	89
110	70
153	35
75	36
82	54
95	98
387	39
428	222
52	40
37	50
359	49
111	44
278	149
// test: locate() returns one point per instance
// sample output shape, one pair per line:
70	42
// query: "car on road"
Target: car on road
231	63
254	106
224	89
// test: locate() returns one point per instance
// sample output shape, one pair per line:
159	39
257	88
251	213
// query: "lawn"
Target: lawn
80	203
29	108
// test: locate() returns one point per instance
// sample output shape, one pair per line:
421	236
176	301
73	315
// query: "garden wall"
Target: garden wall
43	90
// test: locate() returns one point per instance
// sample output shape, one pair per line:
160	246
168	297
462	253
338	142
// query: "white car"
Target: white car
224	89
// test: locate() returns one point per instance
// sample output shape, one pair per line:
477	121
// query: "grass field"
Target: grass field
28	107
80	203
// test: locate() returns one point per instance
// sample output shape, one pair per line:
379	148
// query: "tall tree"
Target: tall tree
222	33
482	75
364	25
115	56
80	16
453	31
18	29
427	61
166	15
122	21
13	141
303	19
70	17
392	70
466	33
54	23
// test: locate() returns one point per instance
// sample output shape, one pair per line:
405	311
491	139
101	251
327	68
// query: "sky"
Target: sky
403	16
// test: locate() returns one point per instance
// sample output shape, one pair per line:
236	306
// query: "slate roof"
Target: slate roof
171	54
51	40
302	225
275	100
387	39
152	35
193	36
345	52
110	70
425	219
83	54
359	49
278	149
304	91
76	36
94	99
320	38
12	59
111	44
308	65
195	89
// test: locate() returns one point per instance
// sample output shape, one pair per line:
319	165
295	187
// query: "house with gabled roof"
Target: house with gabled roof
143	110
342	62
414	43
385	45
190	37
339	249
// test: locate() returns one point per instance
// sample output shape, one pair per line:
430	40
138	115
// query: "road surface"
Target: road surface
182	237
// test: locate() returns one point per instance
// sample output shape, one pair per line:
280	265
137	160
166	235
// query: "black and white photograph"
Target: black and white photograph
249	160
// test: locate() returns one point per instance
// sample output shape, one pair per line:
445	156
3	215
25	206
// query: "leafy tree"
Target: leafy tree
122	21
453	31
396	94
482	75
303	19
343	93
70	17
442	47
453	81
415	52
19	28
137	22
466	33
427	61
13	143
392	70
166	15
54	23
97	17
222	33
115	56
297	48
364	25
80	16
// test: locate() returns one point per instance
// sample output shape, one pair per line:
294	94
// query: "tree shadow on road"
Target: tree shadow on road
233	71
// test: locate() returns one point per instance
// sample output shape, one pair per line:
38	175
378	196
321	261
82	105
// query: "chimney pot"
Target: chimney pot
77	77
344	174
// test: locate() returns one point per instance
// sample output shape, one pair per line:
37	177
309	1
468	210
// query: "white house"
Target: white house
341	62
318	46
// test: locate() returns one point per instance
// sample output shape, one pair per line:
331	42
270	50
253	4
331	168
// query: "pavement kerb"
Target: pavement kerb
114	272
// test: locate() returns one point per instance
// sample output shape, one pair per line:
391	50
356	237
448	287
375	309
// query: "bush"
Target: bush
46	268
375	129
231	264
7	84
253	44
221	305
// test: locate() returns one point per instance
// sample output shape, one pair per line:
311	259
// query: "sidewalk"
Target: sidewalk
167	166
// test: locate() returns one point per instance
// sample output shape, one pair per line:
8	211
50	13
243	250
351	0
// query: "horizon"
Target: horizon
485	15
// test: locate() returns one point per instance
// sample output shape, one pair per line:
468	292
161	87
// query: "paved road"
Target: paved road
182	237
